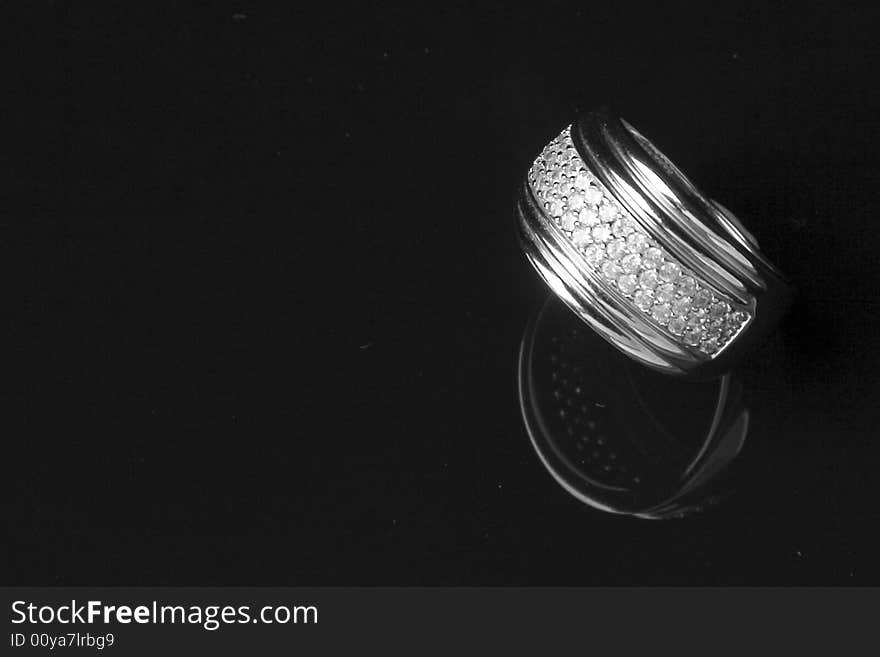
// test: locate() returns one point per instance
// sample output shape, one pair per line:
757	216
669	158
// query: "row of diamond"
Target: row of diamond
626	256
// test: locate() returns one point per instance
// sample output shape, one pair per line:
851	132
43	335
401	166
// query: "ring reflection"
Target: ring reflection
617	436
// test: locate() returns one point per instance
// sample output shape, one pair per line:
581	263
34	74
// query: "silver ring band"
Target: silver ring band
668	276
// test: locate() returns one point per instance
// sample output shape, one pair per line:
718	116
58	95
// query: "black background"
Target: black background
263	296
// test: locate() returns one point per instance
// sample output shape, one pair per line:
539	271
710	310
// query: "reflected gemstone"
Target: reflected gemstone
556	207
567	221
576	201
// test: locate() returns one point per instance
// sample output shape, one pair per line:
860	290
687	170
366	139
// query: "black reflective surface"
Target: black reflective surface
265	302
617	436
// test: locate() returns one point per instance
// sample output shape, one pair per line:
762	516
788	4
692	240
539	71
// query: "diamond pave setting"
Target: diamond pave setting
625	257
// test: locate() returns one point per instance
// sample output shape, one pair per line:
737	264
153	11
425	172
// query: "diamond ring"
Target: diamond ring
668	276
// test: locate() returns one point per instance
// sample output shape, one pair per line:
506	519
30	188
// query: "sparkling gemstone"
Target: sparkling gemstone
714	327
601	233
621	228
607	212
594	254
631	262
592	195
736	318
676	326
652	257
556	207
611	269
710	345
644	300
702	298
582	180
576	201
694	322
615	249
669	271
661	312
719	310
648	279
687	285
568	219
627	283
588	216
692	336
581	236
665	292
681	305
636	242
